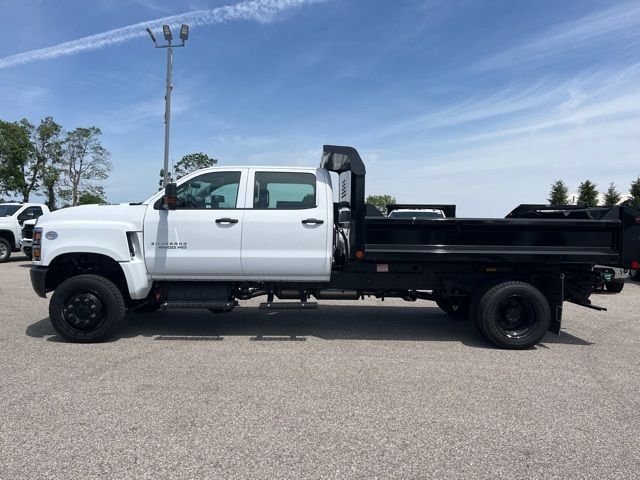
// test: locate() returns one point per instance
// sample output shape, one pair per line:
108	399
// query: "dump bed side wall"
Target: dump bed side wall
500	240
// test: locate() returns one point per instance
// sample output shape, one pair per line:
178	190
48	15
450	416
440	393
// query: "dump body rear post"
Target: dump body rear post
236	233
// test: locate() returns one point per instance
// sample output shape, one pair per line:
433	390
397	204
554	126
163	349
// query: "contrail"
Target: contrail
257	10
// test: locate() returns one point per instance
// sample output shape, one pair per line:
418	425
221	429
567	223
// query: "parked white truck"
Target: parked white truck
12	217
227	234
27	237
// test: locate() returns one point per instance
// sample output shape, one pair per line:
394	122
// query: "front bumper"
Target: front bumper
38	277
26	246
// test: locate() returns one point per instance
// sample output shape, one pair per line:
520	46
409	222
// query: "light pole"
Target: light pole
184	35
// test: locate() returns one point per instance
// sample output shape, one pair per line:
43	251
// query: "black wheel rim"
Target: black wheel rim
516	317
84	311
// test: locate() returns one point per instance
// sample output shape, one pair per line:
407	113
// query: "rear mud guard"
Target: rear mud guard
554	291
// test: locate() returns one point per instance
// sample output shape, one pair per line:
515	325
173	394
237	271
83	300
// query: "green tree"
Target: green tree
161	181
559	194
47	142
381	202
612	196
97	196
587	194
19	168
634	191
192	162
84	162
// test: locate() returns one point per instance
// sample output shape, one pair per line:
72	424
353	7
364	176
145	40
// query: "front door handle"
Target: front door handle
226	220
312	221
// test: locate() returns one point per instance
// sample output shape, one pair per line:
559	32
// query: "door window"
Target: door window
214	190
284	190
29	213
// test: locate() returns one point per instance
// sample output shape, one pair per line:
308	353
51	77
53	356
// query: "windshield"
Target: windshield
416	214
8	210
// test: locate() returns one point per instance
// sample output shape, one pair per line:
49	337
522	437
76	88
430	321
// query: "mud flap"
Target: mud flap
554	292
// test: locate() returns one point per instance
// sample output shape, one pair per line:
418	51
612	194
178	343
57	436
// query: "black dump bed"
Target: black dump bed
529	234
613	238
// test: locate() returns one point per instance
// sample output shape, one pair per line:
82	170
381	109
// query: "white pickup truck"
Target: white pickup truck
12	217
227	234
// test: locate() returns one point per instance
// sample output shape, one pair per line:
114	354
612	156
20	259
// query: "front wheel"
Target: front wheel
86	309
513	315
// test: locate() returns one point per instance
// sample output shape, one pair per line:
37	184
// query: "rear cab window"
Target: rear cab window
284	190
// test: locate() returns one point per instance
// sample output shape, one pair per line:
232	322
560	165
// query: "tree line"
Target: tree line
588	194
44	159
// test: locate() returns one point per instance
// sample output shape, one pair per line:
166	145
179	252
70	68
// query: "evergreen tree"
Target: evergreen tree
612	196
587	194
559	194
634	191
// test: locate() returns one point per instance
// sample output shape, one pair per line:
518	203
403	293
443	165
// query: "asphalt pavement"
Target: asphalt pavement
372	389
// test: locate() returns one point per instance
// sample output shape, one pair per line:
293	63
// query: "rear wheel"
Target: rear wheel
5	250
513	315
614	286
86	309
455	307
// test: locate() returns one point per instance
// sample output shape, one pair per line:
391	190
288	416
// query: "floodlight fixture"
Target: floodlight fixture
184	32
167	33
153	37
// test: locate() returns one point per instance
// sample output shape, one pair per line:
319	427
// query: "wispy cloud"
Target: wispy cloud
617	24
520	108
262	11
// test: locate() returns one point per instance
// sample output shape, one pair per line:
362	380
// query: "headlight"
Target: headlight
37	242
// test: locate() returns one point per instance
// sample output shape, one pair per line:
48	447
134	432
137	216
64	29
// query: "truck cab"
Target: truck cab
242	223
12	218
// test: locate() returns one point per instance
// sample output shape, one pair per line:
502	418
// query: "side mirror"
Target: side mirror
171	196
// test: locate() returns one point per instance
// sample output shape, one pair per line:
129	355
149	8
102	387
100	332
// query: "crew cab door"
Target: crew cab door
287	231
201	238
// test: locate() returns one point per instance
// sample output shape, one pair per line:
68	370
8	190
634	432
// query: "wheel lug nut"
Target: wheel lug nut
93	315
93	307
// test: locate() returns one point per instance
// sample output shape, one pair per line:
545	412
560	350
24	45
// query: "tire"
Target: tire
455	307
5	250
72	307
513	315
636	276
614	286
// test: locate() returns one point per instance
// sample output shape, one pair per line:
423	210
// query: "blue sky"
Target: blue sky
479	103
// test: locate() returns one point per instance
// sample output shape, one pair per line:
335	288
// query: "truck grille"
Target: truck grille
27	231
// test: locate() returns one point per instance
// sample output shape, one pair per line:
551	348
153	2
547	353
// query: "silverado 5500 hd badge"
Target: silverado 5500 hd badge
170	245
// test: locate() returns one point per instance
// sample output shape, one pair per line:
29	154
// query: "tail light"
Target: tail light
635	265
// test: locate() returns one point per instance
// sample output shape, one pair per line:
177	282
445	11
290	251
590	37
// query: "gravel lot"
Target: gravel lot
360	391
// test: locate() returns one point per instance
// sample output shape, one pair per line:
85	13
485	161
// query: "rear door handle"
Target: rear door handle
226	220
312	221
